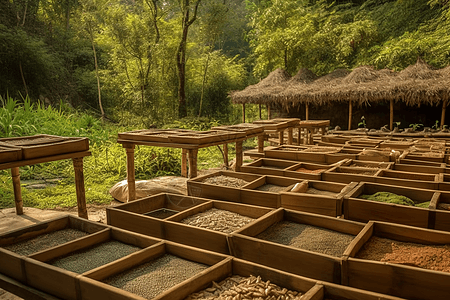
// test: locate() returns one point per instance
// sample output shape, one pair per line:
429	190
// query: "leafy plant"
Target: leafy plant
397	124
415	126
436	125
362	123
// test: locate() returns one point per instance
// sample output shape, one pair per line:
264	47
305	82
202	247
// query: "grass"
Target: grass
104	168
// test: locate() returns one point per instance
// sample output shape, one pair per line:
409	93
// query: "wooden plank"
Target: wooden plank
401	281
411	234
127	262
285	258
12	265
132	238
195	254
335	224
196	237
72	246
84	225
363	236
335	291
34	161
252	211
263	223
23	291
50	279
315	293
94	290
135	222
318	204
239	156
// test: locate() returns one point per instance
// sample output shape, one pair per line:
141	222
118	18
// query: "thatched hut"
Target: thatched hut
416	85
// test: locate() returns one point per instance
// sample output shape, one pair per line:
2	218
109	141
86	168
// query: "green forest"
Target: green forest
94	68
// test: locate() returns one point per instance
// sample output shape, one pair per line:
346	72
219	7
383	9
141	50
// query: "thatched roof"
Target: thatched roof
416	84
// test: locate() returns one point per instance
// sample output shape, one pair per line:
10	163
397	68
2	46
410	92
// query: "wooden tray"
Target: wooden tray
246	245
152	135
46	145
363	210
205	137
134	216
347	174
247	128
272	124
12	263
395	279
318	203
8	154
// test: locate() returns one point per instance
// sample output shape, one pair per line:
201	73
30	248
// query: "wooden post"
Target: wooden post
79	184
225	154
183	162
243	112
444	108
260	117
269	113
299	136
350	113
281	137
391	115
239	156
17	190
130	172
290	135
261	143
307	112
192	162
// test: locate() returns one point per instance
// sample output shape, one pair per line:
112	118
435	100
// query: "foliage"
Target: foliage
362	123
415	126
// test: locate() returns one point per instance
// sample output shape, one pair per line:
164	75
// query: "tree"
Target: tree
186	8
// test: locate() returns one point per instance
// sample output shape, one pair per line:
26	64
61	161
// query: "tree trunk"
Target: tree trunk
181	56
96	74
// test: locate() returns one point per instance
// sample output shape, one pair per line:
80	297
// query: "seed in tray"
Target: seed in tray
45	241
226	181
307	237
96	256
151	279
237	287
432	257
218	220
271	188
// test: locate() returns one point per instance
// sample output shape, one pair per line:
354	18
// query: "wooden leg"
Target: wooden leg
299	137
225	154
239	156
192	162
183	163
290	135
281	137
260	143
79	184
130	173
17	190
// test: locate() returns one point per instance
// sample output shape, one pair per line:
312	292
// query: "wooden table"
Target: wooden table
307	127
41	149
189	153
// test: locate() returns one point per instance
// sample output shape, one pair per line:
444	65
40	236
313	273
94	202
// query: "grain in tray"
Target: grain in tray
150	279
271	188
307	237
45	241
226	181
238	287
218	220
96	256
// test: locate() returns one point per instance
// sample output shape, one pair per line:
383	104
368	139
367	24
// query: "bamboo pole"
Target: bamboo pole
243	112
269	113
260	117
79	184
391	115
444	108
307	112
17	191
350	114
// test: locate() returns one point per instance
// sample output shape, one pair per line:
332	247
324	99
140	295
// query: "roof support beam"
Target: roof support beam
350	112
307	112
391	114
243	112
444	108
